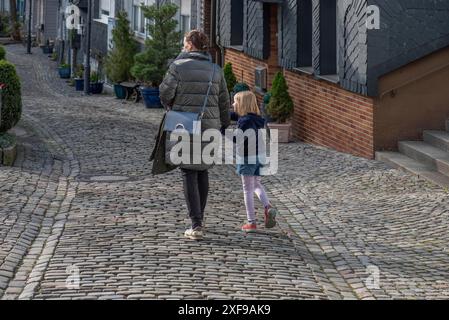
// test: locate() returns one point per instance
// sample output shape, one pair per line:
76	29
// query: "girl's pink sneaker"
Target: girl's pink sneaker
249	227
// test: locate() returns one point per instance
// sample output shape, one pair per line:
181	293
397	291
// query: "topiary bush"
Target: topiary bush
162	44
229	75
280	107
2	53
11	96
121	57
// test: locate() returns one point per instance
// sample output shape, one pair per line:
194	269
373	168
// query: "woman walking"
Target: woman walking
184	89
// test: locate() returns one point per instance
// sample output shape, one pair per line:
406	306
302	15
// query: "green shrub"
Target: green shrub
12	96
162	45
4	24
2	53
280	107
229	75
94	77
79	73
121	58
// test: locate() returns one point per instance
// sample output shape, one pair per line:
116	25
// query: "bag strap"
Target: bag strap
203	109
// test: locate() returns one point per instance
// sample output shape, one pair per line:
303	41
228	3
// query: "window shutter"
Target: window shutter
288	44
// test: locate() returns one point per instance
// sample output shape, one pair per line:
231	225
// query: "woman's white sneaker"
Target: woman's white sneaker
194	234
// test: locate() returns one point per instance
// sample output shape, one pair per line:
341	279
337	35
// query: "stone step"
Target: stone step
439	139
400	161
429	155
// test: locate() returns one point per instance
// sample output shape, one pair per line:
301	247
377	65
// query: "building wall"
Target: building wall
244	65
412	99
51	20
409	30
327	115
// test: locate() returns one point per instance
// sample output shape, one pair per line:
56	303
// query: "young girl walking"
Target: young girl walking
248	117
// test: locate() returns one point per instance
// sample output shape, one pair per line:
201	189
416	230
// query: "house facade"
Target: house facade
363	74
104	15
43	20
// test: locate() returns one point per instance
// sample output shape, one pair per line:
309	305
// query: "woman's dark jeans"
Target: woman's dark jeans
196	189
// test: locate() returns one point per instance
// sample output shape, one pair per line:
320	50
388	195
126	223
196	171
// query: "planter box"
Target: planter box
284	131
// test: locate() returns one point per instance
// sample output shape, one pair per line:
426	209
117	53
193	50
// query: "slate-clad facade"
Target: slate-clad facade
334	61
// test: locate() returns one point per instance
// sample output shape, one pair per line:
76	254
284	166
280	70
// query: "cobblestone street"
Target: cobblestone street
81	200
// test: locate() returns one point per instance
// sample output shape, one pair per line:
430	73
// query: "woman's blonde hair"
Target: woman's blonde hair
246	102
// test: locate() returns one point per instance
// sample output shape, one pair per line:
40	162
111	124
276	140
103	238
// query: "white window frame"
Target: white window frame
103	18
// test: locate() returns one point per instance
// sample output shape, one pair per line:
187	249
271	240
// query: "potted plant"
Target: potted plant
96	86
162	45
121	56
230	77
64	71
47	48
79	78
280	108
54	56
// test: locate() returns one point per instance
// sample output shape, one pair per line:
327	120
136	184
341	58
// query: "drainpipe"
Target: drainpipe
215	29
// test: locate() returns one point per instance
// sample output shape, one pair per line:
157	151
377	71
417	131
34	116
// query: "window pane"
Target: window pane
105	7
142	22
305	33
136	18
186	7
185	24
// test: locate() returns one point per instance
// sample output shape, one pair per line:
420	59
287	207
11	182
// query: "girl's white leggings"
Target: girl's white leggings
253	185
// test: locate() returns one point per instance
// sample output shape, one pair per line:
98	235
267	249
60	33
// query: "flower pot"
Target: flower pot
283	131
79	84
151	97
47	49
96	88
64	72
120	91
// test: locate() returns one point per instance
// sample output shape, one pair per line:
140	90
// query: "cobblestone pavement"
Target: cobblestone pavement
80	204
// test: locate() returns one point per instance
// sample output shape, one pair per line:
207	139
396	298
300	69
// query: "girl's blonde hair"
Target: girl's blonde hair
246	102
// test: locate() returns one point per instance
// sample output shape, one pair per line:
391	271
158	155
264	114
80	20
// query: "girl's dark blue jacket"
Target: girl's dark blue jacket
247	122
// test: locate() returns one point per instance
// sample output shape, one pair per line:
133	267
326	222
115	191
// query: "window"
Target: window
138	19
185	24
237	11
142	25
305	34
328	37
105	8
186	11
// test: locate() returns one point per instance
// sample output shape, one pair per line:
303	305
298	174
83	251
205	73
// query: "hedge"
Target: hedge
11	96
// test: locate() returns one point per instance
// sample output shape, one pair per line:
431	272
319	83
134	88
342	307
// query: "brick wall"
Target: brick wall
325	114
328	115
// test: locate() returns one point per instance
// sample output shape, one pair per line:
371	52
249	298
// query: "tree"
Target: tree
280	107
229	75
15	24
162	44
123	49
